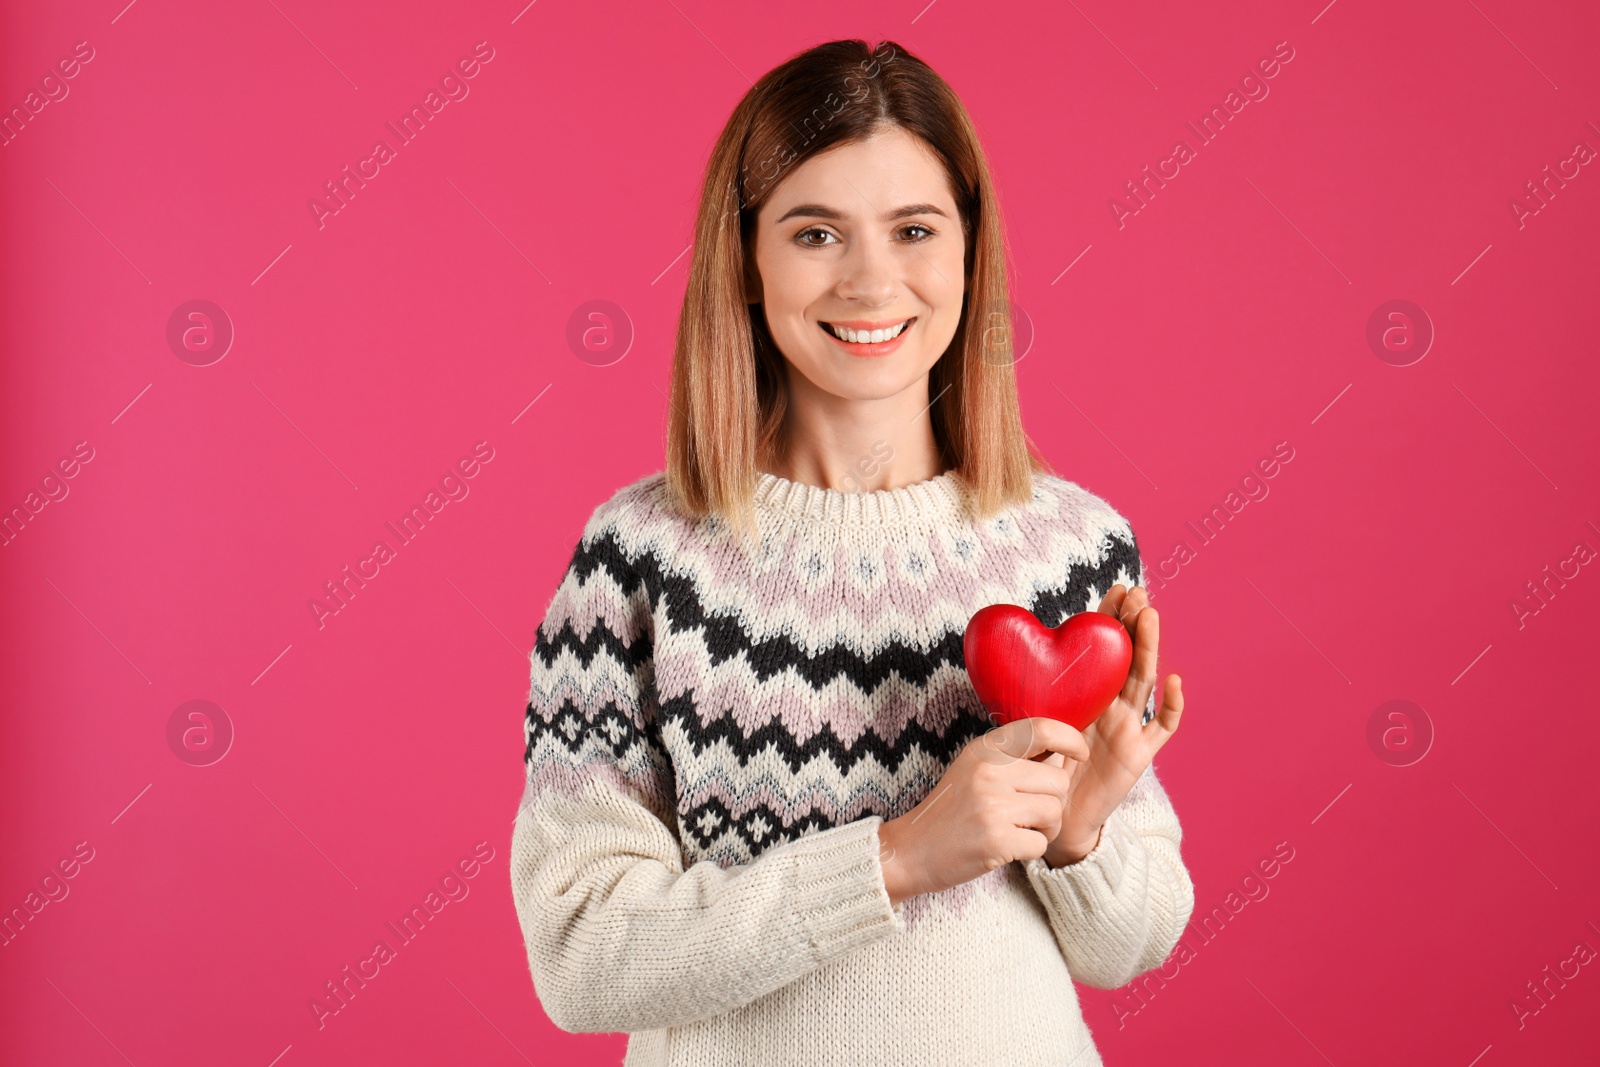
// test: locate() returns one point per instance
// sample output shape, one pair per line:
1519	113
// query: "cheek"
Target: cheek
789	287
942	290
954	272
786	321
940	279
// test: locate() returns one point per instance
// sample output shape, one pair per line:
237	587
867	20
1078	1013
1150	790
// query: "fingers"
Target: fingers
1026	738
1111	603
1136	601
1034	812
1165	723
1125	604
1023	843
1142	671
1043	780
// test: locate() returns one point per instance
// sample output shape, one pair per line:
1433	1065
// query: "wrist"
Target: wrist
896	880
1065	851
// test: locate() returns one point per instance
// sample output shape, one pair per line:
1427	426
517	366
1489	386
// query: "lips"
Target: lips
863	327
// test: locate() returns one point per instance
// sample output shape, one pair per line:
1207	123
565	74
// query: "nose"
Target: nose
868	275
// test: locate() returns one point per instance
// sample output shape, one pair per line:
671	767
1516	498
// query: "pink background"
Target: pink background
372	754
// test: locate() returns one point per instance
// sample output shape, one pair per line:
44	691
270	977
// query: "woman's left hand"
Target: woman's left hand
1119	747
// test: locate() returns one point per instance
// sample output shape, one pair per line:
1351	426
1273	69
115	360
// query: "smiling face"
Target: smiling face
860	239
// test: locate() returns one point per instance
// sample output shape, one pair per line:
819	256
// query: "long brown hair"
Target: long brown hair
729	386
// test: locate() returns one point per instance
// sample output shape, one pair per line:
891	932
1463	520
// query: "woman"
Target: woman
766	820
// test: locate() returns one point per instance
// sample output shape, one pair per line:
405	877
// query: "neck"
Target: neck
857	446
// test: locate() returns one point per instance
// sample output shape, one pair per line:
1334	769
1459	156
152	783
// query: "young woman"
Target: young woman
767	820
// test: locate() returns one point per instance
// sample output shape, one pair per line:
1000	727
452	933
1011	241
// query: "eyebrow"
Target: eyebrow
820	212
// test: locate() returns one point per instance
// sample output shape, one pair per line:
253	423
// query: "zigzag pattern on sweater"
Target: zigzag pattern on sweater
758	698
726	635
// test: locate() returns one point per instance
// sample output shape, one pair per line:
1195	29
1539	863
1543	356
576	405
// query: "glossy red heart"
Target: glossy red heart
1021	668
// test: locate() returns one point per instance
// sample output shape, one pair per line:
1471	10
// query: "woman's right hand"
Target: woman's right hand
995	803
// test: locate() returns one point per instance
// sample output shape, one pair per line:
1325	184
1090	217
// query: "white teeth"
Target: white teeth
844	333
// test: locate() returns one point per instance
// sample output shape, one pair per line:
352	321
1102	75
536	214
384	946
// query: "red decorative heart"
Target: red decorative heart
1020	669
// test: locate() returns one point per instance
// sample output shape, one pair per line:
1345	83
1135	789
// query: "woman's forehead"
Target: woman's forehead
884	179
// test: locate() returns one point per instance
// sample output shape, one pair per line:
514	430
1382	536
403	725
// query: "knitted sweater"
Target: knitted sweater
714	734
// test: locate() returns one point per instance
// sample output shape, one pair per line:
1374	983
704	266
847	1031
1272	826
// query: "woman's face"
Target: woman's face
864	235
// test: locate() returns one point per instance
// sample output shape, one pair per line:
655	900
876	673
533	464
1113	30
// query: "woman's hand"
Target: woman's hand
1119	747
995	803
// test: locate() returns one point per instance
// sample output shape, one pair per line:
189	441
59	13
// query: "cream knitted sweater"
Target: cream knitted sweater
714	735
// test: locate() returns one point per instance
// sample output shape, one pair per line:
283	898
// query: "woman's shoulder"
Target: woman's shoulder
636	527
638	504
1073	521
1086	512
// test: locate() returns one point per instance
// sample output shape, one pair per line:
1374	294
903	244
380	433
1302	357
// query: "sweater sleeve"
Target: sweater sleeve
619	935
1120	910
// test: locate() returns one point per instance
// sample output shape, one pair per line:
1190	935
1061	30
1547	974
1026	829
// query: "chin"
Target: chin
871	387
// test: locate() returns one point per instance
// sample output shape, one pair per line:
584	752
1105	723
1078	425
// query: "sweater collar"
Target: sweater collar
938	499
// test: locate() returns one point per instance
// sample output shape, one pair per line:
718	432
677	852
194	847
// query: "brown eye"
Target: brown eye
814	230
919	226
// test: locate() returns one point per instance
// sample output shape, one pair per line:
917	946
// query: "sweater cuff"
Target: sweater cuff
838	886
1090	885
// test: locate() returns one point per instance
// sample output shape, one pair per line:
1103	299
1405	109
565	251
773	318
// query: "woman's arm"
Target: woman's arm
1118	906
619	935
1120	910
